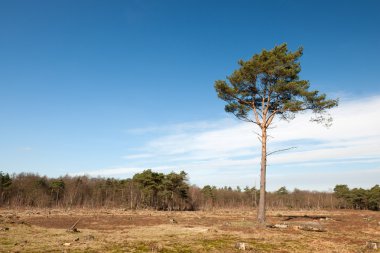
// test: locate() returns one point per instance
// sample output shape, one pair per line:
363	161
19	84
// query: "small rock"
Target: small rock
66	244
89	237
156	247
240	245
373	245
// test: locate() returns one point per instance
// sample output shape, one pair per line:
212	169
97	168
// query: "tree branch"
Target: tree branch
271	117
256	113
280	150
259	135
246	119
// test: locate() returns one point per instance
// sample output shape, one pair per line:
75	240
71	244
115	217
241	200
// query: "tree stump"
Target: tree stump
373	245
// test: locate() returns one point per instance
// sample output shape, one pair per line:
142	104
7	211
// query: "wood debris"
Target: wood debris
73	228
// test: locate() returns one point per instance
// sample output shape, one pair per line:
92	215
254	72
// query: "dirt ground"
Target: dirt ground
117	230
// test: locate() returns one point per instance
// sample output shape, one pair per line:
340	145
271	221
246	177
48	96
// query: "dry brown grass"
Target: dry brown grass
117	230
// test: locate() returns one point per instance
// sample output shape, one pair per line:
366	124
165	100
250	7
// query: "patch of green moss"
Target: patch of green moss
255	245
215	243
6	242
177	248
87	250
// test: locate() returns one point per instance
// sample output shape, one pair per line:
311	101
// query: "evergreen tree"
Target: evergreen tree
266	86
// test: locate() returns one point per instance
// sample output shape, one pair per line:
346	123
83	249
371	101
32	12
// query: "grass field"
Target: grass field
116	230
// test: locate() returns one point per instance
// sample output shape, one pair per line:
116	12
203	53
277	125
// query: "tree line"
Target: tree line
171	191
358	198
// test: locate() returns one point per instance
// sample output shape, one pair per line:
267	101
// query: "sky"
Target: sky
111	88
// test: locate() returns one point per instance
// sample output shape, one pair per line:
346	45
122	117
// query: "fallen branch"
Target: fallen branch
73	228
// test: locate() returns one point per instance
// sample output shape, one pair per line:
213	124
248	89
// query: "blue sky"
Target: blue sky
114	87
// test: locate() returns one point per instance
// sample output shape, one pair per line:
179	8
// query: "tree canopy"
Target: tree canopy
269	84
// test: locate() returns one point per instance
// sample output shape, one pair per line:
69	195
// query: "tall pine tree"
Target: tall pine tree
268	86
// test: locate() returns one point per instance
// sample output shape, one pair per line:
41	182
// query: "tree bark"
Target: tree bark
261	209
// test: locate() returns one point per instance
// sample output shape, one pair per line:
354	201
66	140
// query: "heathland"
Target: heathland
156	212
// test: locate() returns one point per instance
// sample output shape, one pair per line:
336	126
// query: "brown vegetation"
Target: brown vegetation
117	230
145	214
148	190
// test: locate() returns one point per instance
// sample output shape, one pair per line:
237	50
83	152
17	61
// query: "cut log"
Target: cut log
278	226
313	217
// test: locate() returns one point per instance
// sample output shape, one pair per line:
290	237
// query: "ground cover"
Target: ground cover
118	230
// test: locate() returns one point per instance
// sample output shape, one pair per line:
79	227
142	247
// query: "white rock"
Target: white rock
240	245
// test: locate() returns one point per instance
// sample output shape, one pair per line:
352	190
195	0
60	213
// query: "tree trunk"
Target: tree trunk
261	209
131	191
57	197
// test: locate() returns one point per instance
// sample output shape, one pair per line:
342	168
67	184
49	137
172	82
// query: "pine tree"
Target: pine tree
268	86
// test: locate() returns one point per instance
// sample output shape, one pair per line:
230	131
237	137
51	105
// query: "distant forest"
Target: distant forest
159	191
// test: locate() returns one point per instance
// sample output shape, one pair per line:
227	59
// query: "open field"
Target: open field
116	230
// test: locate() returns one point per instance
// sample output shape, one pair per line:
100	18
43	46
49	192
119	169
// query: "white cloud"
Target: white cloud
136	156
123	171
365	178
108	172
226	150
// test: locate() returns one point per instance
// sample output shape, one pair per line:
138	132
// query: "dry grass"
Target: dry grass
218	231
